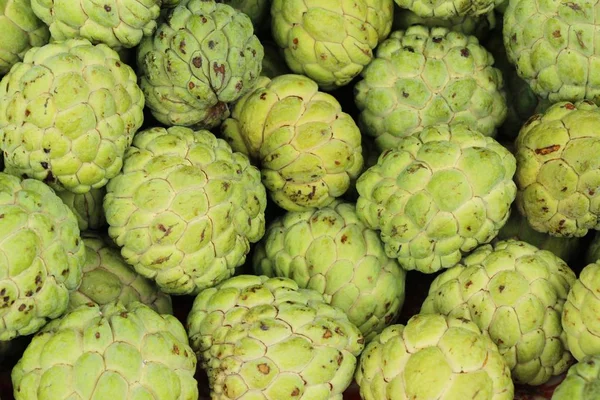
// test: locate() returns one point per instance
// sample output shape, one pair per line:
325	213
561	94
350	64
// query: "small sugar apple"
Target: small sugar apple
558	169
87	207
109	352
41	256
67	114
515	293
553	46
582	381
308	149
425	76
108	278
21	30
185	208
331	251
116	23
203	56
330	42
439	194
265	338
446	9
433	357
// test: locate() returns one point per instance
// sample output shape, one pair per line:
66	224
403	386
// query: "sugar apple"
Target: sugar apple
87	207
41	256
553	46
580	314
113	351
116	23
515	293
265	338
202	57
185	208
446	9
518	228
426	76
308	149
330	42
67	114
433	357
582	381
21	30
331	251
558	169
108	278
430	200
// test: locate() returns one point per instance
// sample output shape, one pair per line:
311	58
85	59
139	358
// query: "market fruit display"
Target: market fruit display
68	112
185	208
267	338
128	350
331	251
299	199
460	361
429	200
515	293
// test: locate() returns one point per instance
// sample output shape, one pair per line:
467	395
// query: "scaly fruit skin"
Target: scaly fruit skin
552	45
265	338
87	207
518	228
439	194
426	76
108	278
42	256
102	352
21	30
308	149
54	86
446	9
381	16
185	208
118	23
558	169
433	357
582	381
515	293
330	42
202	57
331	251
579	314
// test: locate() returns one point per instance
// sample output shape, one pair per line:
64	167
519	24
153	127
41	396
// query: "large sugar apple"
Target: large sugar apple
185	208
515	293
41	256
68	112
265	338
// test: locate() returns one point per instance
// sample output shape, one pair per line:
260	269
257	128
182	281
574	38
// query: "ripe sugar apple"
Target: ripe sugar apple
558	169
41	256
108	278
426	76
116	23
330	42
580	314
582	381
265	338
185	208
446	9
202	57
439	194
21	30
553	46
308	149
87	207
515	293
113	351
331	251
433	357
67	114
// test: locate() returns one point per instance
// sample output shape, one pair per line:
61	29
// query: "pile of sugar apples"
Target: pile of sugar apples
250	191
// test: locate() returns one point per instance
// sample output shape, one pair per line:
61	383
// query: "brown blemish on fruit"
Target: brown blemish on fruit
547	150
263	369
